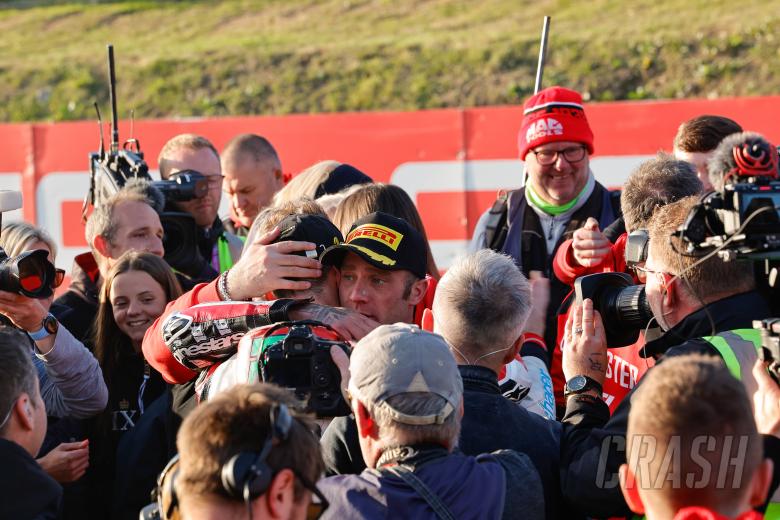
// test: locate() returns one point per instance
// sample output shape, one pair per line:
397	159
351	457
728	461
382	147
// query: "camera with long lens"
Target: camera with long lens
111	169
770	345
296	355
30	273
622	304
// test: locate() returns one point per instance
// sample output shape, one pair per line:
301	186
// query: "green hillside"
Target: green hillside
285	56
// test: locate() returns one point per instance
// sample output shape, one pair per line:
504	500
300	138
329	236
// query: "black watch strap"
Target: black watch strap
590	384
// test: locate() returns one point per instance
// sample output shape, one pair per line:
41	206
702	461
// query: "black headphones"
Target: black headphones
246	476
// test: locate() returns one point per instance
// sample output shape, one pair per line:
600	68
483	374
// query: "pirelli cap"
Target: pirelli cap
384	241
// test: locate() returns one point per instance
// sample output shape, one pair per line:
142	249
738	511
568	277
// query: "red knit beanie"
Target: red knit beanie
554	114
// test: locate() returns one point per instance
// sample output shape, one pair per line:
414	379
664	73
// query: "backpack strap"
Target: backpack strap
405	474
497	225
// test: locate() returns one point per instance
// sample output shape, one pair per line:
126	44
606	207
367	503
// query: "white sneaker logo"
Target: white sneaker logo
543	128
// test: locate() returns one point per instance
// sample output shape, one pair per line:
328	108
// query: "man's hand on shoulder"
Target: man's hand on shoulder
585	344
349	323
589	245
265	267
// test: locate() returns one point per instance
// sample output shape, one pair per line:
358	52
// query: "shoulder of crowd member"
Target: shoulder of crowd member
27	490
691	346
524	490
341	447
156	352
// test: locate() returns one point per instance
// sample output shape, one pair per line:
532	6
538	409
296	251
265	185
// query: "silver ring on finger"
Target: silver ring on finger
577	331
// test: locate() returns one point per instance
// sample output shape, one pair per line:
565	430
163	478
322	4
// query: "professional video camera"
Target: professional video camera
296	355
29	274
742	222
110	170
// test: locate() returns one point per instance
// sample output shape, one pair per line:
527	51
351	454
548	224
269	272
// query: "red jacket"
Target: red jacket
567	269
197	329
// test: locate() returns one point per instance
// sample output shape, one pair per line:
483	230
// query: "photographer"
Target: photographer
704	307
653	184
71	383
220	248
126	221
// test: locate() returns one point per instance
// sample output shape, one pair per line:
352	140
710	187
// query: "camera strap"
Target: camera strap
433	500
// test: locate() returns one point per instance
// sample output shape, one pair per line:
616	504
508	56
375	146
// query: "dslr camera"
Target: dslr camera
296	355
30	273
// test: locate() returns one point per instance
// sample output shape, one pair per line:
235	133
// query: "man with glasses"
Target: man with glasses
560	196
703	306
247	453
193	153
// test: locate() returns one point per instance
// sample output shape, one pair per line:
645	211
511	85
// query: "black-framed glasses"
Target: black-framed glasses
572	154
316	507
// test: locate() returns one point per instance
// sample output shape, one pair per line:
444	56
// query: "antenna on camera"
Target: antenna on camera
102	150
112	97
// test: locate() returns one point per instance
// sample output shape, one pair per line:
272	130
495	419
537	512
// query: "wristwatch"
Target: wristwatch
580	384
49	326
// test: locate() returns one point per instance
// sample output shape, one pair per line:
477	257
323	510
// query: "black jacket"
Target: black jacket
77	308
490	423
26	491
127	390
593	444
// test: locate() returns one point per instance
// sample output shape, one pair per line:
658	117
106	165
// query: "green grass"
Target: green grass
278	57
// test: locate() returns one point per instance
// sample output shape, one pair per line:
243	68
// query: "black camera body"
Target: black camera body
746	213
622	304
296	355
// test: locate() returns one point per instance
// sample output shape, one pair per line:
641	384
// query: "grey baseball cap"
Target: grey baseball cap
402	358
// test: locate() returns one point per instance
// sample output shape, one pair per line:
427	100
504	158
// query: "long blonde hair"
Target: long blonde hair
16	238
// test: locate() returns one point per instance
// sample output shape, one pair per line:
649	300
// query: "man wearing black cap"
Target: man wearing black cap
204	325
382	268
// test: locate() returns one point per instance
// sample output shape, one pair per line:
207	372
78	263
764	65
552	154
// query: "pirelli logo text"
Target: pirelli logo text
383	234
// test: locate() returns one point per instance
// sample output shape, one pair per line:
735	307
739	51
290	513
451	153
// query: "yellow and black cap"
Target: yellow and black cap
384	241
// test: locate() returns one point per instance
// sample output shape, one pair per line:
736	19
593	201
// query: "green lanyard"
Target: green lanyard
551	209
223	254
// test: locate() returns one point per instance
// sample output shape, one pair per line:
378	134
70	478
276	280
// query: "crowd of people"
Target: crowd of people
487	391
